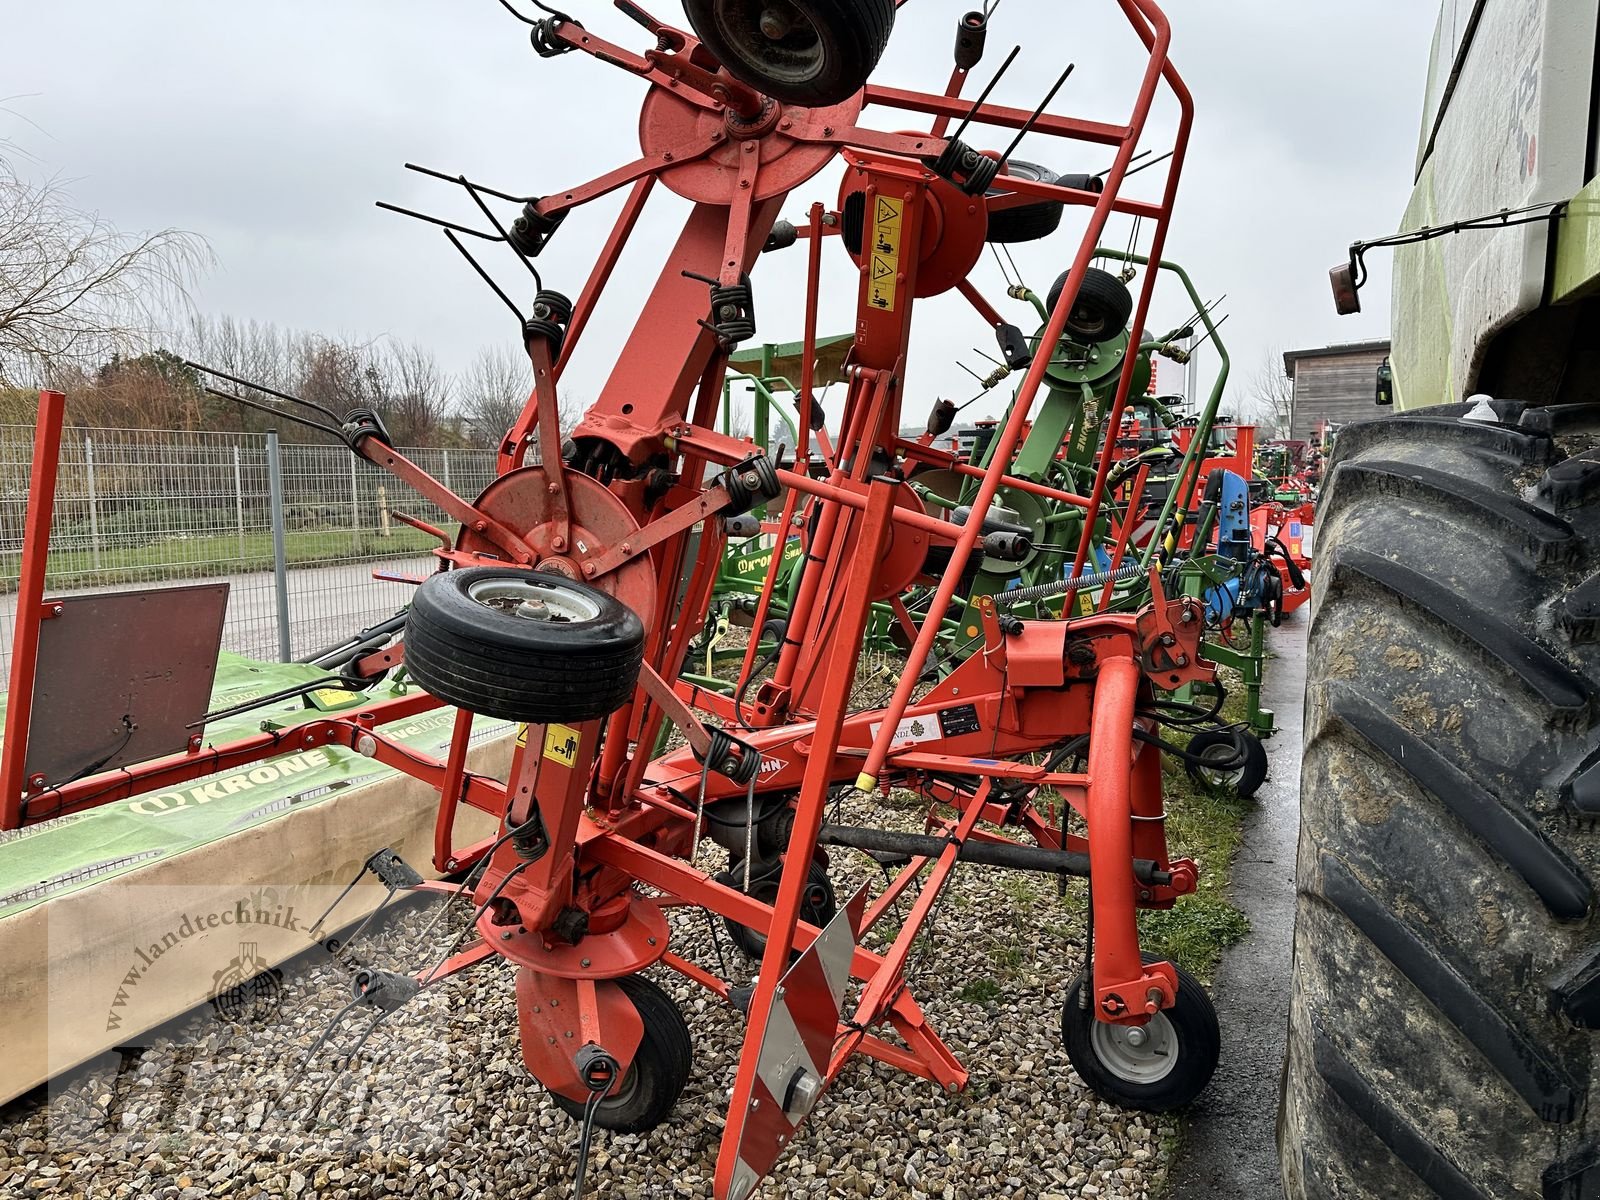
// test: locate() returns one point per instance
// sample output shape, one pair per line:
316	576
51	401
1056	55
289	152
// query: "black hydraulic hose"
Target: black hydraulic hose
1008	855
1296	576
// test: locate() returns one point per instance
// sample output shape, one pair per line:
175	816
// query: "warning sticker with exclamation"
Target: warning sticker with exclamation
884	255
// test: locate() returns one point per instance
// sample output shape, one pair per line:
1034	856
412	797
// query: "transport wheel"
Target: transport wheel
817	905
1102	308
659	1069
1223	747
1025	222
1446	980
1155	1067
523	645
807	52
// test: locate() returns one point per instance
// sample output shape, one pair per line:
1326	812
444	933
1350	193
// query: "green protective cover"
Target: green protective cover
56	857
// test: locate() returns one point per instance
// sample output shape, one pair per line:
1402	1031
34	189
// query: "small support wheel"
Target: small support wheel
818	904
1155	1067
1240	757
1025	222
807	52
659	1070
523	645
1101	309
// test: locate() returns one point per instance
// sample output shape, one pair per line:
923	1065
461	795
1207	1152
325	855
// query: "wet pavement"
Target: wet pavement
1229	1153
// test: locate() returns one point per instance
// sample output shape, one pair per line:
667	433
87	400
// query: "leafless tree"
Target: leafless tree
493	392
1270	401
73	288
413	394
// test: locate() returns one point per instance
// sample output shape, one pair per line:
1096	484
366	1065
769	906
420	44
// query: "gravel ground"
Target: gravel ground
439	1104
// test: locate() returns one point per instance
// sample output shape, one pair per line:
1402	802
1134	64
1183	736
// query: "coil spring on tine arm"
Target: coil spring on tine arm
965	167
733	310
749	483
551	312
543	36
1061	587
730	757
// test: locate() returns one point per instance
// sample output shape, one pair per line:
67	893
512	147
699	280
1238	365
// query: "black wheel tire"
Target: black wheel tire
1143	1078
1025	222
659	1070
1223	745
825	58
1102	308
817	906
1446	980
480	656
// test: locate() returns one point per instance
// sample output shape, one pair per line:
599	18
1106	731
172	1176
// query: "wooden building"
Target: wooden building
1333	384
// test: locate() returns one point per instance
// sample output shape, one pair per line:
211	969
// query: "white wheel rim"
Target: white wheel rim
533	600
1142	1054
1224	751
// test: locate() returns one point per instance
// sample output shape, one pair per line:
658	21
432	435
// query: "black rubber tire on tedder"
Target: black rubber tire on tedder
1025	222
807	52
1241	749
1174	1061
1446	986
1102	308
654	1080
523	645
817	905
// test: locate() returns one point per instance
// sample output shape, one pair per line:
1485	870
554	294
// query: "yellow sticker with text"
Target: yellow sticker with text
522	734
561	744
884	258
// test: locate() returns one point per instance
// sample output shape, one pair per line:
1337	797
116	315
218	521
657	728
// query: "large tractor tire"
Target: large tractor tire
1446	983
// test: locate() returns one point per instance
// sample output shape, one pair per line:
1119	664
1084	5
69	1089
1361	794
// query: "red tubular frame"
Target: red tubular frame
30	604
619	816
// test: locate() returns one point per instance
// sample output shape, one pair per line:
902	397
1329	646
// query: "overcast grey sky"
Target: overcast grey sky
270	129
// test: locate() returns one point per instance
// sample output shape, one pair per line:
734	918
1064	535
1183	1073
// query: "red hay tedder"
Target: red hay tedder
570	595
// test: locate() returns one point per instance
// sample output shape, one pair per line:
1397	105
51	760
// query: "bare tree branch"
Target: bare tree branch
1271	396
74	290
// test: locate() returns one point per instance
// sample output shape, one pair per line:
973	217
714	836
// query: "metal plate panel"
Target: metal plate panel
120	676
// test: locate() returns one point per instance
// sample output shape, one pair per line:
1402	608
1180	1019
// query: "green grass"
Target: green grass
222	554
1203	823
981	991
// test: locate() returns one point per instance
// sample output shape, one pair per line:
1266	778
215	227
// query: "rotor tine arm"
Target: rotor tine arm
679	713
379	454
544	390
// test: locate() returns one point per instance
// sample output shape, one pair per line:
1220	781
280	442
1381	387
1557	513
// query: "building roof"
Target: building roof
1337	350
787	356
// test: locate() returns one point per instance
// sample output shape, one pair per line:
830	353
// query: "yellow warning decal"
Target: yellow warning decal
883	278
522	734
1085	604
561	744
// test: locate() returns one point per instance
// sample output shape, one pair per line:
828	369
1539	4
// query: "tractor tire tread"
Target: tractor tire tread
1444	972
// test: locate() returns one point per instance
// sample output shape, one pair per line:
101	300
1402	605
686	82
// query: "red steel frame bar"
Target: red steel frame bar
30	602
644	829
1157	38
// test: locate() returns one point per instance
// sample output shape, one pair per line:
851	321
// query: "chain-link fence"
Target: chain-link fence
139	508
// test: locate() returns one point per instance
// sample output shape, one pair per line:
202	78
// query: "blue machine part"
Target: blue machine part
1246	591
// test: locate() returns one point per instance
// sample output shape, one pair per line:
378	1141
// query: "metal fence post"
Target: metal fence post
355	508
446	470
280	563
94	508
238	499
